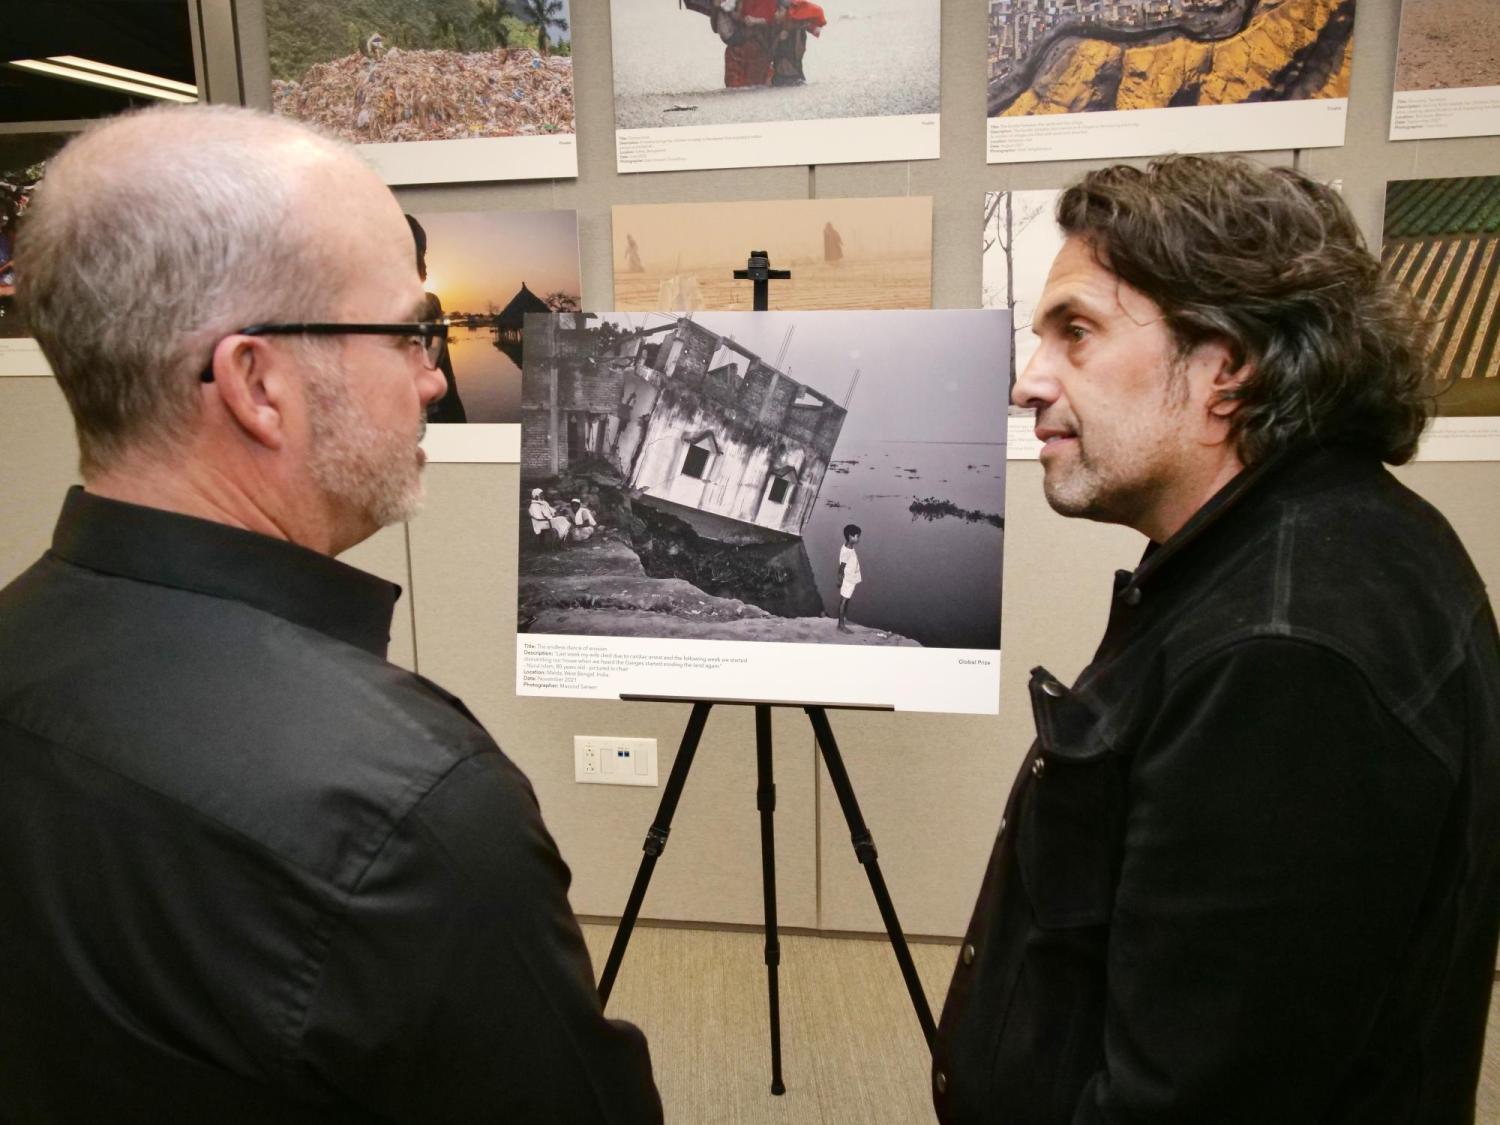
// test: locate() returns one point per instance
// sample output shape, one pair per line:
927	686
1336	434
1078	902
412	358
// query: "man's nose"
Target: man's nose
431	385
1036	387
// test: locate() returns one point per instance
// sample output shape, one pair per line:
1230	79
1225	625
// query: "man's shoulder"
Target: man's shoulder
1359	565
217	711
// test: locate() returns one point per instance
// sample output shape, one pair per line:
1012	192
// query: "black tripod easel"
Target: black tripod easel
758	270
765	802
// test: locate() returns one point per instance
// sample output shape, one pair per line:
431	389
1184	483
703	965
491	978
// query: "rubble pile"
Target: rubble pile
769	576
434	95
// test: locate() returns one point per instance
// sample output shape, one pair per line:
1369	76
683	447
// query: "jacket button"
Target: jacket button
1038	767
1052	688
1002	825
940	1080
1133	596
968	954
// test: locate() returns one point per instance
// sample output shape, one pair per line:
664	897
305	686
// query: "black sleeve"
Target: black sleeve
1280	827
458	987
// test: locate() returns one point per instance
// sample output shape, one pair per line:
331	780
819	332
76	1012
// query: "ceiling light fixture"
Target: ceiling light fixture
74	69
125	73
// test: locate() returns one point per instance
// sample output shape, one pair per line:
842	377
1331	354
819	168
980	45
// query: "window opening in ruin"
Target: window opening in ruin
695	464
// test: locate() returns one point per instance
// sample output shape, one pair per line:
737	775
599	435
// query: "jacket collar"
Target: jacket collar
187	553
1304	463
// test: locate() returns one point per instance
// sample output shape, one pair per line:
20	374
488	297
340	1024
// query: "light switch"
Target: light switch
608	760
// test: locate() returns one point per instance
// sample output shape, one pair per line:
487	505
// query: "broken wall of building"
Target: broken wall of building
570	397
756	424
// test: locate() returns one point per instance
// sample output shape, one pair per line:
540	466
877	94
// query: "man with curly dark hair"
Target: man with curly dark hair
1251	869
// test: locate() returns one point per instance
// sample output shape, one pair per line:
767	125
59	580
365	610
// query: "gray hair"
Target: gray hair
152	236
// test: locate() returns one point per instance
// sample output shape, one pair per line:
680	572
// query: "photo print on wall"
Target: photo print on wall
484	271
751	83
1442	242
1447	70
842	253
1091	79
1021	237
23	162
783	506
433	91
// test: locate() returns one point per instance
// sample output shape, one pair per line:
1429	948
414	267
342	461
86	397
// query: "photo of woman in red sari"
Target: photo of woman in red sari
765	40
744	83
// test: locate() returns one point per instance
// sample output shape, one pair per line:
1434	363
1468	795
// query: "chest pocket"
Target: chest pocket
1072	813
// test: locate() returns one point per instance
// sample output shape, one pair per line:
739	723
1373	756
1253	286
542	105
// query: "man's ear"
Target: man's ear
253	386
1229	375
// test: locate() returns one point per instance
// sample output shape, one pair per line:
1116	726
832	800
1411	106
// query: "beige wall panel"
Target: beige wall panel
38	461
384	553
1469	495
932	787
1367	160
463	569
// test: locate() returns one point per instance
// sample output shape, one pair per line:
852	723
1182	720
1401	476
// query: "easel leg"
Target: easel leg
864	849
656	841
765	801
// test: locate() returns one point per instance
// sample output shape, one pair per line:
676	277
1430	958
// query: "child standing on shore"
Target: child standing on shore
849	575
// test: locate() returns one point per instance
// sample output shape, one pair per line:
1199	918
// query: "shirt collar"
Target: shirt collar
186	553
1128	584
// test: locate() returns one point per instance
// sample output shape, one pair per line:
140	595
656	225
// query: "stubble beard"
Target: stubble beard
1076	490
1127	472
372	471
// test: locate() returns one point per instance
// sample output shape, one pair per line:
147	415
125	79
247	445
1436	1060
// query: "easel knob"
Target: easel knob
758	270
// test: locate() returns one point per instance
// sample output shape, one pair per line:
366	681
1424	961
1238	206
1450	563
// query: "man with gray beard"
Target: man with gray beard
252	871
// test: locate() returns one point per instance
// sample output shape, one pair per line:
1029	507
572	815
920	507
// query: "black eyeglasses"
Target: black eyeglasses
432	336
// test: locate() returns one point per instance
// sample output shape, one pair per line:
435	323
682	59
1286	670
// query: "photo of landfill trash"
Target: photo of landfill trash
711	62
484	271
817	478
842	254
373	71
1076	56
23	160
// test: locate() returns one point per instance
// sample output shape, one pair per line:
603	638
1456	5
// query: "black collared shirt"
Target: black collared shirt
251	871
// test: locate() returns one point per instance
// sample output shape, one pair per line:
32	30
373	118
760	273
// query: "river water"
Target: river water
488	381
935	581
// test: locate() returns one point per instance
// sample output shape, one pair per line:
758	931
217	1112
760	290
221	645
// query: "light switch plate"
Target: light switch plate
607	760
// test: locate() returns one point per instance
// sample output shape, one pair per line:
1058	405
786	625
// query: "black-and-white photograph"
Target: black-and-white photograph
805	477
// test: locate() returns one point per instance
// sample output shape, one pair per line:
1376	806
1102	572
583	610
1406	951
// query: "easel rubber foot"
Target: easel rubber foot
778	1087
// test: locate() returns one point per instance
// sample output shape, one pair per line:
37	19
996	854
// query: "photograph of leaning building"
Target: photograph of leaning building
729	476
694	424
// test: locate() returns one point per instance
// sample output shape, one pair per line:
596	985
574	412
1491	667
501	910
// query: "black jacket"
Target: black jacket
250	871
1250	871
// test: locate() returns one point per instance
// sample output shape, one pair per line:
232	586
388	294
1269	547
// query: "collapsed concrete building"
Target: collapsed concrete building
694	423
